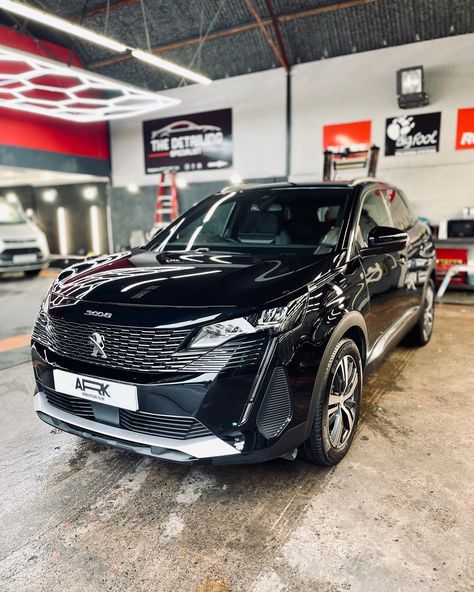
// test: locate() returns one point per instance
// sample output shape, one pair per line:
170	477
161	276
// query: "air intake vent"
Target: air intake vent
275	412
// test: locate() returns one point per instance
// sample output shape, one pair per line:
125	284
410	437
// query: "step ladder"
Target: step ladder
167	207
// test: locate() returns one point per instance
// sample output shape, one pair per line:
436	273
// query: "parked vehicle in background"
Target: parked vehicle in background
241	332
23	246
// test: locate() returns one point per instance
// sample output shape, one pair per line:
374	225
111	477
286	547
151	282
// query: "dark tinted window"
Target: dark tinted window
280	219
403	217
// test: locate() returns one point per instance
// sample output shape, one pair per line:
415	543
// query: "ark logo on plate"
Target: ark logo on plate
189	142
465	130
412	134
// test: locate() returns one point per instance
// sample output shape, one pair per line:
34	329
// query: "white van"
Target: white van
23	246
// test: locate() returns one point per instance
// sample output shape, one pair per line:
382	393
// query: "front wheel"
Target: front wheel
337	407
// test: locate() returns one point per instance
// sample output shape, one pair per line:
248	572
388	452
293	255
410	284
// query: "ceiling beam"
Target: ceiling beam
244	28
279	36
104	9
268	36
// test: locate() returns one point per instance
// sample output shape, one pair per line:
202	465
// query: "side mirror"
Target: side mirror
384	239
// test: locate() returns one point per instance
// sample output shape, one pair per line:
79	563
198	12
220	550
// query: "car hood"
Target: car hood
190	280
23	231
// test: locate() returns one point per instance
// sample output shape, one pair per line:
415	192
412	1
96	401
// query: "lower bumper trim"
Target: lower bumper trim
166	448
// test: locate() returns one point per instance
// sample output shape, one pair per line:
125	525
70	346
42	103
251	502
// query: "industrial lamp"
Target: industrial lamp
410	88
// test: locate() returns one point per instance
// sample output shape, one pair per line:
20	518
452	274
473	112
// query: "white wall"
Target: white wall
362	86
258	104
338	90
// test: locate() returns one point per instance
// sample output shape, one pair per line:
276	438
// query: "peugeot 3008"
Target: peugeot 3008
242	331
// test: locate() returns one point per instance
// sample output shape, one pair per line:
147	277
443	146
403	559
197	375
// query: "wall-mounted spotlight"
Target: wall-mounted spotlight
133	188
12	197
181	182
50	195
90	192
235	179
410	88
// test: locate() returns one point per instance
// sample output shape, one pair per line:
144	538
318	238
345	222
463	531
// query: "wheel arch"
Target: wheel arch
352	326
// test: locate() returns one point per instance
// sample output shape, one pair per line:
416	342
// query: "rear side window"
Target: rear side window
403	217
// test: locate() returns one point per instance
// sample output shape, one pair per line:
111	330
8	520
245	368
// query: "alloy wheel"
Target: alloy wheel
342	404
428	312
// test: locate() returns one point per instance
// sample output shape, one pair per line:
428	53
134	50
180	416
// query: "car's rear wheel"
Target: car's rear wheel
422	331
337	406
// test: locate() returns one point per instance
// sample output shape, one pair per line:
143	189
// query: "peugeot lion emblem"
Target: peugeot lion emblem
98	342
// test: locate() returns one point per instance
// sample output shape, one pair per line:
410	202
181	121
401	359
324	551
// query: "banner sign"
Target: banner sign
201	141
355	136
412	134
465	130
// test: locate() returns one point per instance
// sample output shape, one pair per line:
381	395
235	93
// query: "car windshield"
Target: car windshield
276	220
9	214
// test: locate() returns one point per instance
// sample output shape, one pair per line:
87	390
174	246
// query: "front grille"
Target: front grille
126	348
178	428
166	426
145	350
8	254
80	407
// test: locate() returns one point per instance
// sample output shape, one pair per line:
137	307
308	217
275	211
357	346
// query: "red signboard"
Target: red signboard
446	258
355	136
465	131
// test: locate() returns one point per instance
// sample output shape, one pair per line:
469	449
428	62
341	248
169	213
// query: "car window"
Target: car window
10	214
403	218
374	213
280	219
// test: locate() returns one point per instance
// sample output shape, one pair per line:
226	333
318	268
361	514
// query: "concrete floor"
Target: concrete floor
395	515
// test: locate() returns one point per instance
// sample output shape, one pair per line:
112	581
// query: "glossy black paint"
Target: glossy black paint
374	297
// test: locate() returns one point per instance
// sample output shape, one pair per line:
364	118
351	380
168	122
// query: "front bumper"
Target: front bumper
190	450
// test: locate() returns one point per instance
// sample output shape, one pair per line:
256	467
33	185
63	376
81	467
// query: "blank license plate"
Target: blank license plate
25	258
96	389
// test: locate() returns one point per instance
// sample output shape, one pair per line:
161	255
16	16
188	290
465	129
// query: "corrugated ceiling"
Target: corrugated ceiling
337	27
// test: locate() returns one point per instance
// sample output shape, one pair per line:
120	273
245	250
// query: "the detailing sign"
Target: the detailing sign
355	136
202	141
465	129
412	134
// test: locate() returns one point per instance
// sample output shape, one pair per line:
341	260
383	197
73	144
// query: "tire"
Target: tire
32	272
421	333
335	420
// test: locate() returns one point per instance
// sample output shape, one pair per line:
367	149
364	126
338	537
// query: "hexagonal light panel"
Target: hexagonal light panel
38	85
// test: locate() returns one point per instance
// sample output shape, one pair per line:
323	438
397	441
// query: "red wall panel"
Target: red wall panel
25	130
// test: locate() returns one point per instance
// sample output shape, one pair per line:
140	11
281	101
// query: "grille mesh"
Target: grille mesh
166	426
275	412
144	350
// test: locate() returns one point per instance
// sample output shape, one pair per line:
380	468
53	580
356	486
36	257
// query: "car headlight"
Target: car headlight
214	335
276	320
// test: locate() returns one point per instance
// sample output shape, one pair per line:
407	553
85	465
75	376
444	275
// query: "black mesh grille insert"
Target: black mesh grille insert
166	426
276	411
80	407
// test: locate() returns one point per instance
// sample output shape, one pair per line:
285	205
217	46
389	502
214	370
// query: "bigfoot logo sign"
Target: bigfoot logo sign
412	134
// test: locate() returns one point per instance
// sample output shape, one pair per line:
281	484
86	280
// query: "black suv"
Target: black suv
241	332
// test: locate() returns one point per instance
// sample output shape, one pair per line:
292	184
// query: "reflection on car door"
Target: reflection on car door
384	273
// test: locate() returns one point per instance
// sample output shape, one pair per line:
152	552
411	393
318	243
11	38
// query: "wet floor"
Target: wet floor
395	515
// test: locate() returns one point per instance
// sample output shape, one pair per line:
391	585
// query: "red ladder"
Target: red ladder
166	209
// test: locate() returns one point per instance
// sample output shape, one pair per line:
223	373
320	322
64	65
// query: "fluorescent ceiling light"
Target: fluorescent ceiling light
90	192
61	24
31	90
70	28
50	195
154	60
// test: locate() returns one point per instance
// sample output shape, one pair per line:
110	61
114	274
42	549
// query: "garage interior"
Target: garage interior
301	91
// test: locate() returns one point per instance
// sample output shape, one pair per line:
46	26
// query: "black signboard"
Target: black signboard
412	134
201	141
